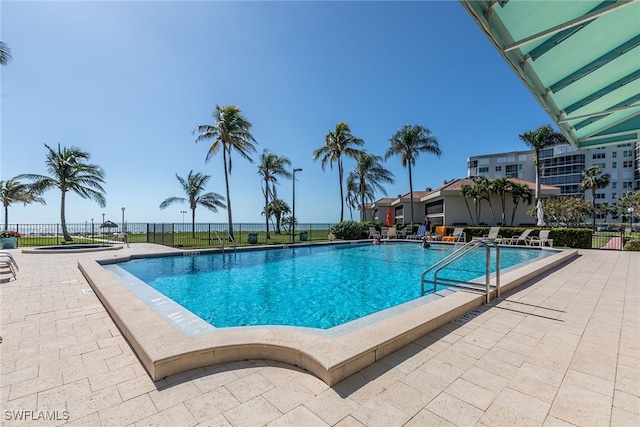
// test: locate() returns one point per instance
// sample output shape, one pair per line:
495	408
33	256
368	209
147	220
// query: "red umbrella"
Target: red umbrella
389	221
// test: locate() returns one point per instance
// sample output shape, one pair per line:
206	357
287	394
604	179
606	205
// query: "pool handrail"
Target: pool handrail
459	253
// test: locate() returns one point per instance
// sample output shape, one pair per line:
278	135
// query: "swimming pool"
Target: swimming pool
314	286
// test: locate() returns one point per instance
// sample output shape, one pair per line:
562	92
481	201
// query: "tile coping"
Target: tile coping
164	350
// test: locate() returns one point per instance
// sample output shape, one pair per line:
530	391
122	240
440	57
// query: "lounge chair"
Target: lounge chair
541	239
493	235
392	233
402	233
373	233
384	231
6	261
7	256
524	238
420	233
441	230
458	235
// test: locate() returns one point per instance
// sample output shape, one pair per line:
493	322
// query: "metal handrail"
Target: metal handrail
235	247
459	253
219	239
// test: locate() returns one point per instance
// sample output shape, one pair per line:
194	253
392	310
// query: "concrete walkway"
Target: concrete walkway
561	350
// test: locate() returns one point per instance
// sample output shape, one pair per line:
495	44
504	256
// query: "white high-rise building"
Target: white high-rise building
562	166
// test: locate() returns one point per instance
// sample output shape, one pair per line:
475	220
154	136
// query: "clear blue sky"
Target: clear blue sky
129	81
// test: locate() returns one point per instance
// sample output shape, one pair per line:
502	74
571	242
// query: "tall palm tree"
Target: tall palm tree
592	180
337	143
408	143
5	53
270	168
501	187
352	193
278	208
13	191
70	172
539	139
193	187
468	192
369	175
519	193
230	132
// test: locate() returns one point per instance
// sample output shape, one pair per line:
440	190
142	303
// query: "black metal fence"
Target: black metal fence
200	235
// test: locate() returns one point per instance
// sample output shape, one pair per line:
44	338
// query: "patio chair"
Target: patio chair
392	233
7	255
7	262
541	239
373	233
493	235
441	230
524	238
458	235
420	233
384	231
402	233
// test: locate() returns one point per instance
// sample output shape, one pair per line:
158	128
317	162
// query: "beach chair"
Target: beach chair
402	233
384	231
441	230
7	255
420	233
541	239
373	233
524	238
392	233
8	262
458	235
493	235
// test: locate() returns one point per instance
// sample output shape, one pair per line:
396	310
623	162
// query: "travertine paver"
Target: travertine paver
561	350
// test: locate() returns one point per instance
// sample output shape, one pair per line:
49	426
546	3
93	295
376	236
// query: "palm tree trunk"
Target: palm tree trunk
341	190
513	212
593	198
63	220
469	209
193	223
226	181
362	216
266	207
6	217
410	193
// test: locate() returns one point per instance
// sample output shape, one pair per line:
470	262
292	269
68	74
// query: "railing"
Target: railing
181	235
458	254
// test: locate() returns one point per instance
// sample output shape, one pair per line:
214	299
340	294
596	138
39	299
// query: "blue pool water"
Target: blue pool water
312	286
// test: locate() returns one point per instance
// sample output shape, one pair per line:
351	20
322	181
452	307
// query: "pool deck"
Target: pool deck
563	349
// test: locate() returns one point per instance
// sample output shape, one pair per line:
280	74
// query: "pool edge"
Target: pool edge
164	351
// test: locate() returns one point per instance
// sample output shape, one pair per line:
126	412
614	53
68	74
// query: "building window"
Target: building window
436	207
614	195
600	165
614	154
627	185
627	153
627	164
599	156
614	185
614	165
600	196
483	169
498	168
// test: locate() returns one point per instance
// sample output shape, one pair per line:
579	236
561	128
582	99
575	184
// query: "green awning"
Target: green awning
580	59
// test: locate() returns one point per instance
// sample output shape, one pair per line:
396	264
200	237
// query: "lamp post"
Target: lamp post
103	217
122	219
92	229
293	215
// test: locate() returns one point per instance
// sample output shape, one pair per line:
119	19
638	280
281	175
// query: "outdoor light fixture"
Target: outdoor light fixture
293	219
630	212
122	219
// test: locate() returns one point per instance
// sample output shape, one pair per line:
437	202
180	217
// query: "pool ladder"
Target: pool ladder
456	255
235	247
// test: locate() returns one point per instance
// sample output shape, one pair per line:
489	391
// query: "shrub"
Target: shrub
632	244
9	233
350	230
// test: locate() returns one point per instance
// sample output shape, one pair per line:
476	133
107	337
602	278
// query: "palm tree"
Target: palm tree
231	131
519	192
337	143
368	176
70	172
473	192
352	193
193	186
501	187
539	139
485	189
408	143
468	192
271	166
277	208
13	191
591	180
5	53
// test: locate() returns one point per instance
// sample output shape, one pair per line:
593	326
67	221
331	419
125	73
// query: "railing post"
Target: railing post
497	270
488	273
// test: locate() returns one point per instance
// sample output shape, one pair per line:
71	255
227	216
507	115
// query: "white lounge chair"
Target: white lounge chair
524	238
392	233
373	233
7	255
493	235
541	239
458	235
8	262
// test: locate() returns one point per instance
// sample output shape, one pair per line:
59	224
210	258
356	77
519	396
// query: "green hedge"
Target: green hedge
579	238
